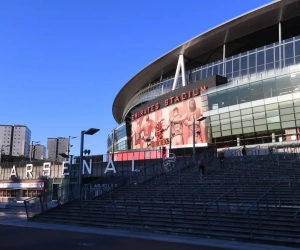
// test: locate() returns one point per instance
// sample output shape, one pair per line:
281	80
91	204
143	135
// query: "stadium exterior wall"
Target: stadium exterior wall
259	104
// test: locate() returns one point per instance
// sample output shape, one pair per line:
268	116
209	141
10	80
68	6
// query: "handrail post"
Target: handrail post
25	204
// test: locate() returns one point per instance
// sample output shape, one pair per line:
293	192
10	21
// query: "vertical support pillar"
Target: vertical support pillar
280	48
180	65
238	143
113	145
273	137
182	70
81	158
224	54
194	149
170	139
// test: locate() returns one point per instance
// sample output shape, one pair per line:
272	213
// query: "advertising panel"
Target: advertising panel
173	122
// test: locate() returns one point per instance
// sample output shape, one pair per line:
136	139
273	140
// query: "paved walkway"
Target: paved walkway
18	233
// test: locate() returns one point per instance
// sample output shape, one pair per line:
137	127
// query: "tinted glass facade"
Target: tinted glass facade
118	135
270	57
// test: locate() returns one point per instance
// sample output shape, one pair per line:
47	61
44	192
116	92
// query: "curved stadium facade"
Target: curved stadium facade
243	76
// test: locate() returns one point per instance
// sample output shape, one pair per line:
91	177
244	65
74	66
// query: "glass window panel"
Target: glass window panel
236	125
289	124
297	48
288	104
237	131
247	117
216	134
244	91
226	132
274	126
244	62
285	118
258	109
297	115
233	96
270	56
226	127
235	113
260	58
215	129
272	113
286	111
256	88
215	123
297	109
213	101
203	76
272	106
252	60
269	85
199	77
246	111
215	118
215	70
289	61
235	119
289	51
295	79
273	119
261	128
225	120
260	121
252	63
221	69
229	69
224	115
282	82
259	115
270	66
236	65
248	130
209	71
248	123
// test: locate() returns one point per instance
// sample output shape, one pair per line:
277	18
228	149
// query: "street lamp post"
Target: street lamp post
194	132
32	149
1	151
90	131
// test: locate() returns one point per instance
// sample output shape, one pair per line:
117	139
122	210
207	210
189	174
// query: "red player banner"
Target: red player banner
153	129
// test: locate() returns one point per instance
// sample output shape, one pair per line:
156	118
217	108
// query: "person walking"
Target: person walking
222	158
202	164
244	153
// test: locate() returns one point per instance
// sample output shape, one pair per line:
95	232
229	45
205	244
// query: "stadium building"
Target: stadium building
243	76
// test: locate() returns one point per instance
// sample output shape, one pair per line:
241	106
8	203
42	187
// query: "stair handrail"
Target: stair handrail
256	203
143	187
177	171
255	149
216	200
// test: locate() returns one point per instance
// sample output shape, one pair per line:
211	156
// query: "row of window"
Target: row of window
272	87
274	136
268	57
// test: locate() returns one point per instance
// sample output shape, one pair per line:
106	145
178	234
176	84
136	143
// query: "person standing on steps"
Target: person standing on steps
244	153
201	165
222	158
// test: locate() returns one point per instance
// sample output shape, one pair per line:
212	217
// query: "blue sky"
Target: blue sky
63	62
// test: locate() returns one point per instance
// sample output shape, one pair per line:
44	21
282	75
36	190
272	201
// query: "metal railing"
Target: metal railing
48	200
275	201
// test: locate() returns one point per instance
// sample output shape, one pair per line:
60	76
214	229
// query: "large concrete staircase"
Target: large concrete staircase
253	201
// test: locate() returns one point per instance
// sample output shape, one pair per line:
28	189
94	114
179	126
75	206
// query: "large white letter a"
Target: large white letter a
108	168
